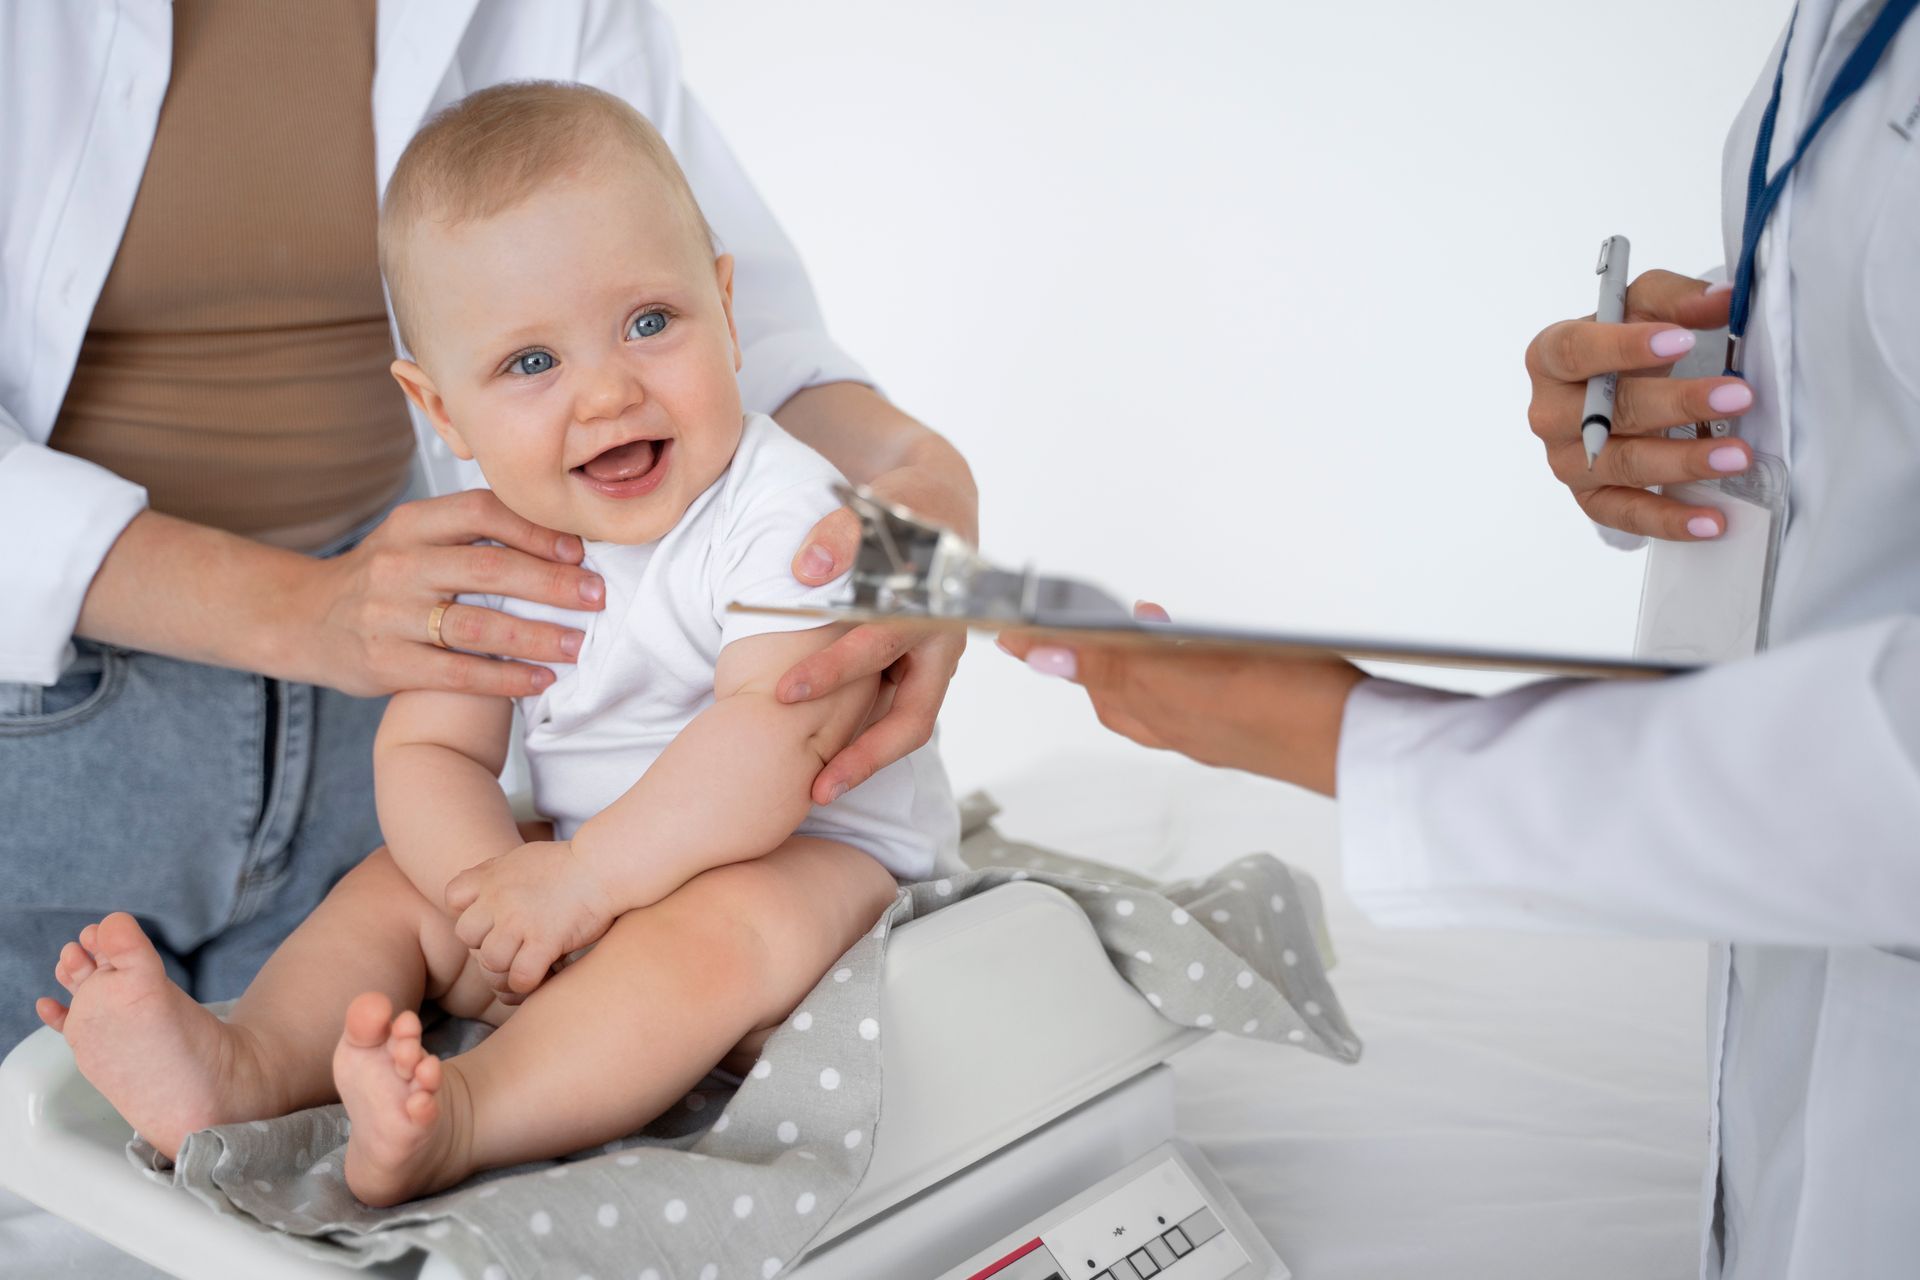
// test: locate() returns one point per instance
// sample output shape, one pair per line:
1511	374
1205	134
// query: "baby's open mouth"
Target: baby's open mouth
626	470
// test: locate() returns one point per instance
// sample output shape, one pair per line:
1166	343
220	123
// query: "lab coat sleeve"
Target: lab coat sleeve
783	337
59	516
1774	799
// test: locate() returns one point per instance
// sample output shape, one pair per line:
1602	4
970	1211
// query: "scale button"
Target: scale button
1201	1227
1145	1265
1177	1241
1158	1251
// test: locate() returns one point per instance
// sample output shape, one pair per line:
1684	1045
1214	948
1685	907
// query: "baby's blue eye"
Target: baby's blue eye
647	324
533	362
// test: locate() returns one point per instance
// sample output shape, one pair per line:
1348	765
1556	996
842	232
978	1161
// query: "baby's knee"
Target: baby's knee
725	957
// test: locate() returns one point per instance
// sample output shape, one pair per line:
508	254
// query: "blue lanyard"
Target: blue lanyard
1763	192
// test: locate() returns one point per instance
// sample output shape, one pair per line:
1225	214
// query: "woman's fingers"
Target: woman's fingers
1641	406
1575	350
504	571
502	635
1650	515
858	654
1661	308
904	727
477	514
829	550
1642	461
1669	296
429	668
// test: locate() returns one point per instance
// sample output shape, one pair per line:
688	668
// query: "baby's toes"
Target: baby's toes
90	938
403	1044
423	1108
74	967
406	1056
51	1012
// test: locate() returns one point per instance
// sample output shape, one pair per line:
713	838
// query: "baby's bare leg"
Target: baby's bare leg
170	1067
613	1040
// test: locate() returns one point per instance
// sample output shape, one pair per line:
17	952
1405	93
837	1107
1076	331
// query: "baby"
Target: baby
573	332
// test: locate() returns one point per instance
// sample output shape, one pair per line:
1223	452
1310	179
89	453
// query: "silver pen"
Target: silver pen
1596	418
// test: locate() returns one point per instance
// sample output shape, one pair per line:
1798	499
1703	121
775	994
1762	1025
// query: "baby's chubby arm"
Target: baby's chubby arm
732	786
436	780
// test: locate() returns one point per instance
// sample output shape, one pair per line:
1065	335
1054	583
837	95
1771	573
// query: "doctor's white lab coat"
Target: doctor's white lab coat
81	82
1773	803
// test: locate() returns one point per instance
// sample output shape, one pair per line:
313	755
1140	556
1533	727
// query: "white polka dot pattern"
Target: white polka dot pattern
771	1145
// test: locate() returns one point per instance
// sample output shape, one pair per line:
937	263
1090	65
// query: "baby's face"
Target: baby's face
580	346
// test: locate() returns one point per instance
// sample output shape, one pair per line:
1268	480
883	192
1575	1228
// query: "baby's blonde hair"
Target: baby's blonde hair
494	148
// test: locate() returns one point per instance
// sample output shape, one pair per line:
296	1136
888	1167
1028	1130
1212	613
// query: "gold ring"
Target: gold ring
433	623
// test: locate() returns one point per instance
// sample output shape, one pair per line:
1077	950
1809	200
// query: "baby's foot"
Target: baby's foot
404	1142
168	1066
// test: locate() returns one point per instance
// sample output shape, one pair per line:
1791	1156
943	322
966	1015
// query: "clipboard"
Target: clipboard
911	570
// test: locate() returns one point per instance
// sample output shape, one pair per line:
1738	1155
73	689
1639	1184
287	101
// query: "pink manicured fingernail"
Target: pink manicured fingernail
592	590
542	678
839	789
567	547
1719	286
798	692
1671	342
1703	527
817	562
1049	660
570	643
1730	397
1727	458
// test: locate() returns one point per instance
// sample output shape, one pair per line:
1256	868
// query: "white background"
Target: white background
1226	302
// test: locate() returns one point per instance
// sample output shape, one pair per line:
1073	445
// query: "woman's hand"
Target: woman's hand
364	622
1274	715
1662	309
918	662
524	911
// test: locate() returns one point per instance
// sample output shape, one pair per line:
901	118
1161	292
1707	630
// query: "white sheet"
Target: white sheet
1528	1105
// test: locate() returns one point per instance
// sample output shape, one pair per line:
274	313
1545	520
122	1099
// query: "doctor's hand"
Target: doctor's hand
522	912
1269	714
363	616
918	663
1662	308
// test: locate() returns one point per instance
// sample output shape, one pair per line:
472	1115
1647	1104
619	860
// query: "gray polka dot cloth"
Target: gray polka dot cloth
737	1179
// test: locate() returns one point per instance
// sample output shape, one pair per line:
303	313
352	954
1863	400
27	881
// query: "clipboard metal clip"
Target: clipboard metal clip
909	566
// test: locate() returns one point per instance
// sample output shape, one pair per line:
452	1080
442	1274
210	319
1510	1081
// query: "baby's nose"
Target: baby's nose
608	391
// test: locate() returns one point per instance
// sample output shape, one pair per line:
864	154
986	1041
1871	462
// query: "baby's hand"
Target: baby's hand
522	911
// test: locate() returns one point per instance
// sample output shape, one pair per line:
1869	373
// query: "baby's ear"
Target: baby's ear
723	276
426	398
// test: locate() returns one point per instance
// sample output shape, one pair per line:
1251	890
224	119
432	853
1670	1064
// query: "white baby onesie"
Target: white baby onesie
646	666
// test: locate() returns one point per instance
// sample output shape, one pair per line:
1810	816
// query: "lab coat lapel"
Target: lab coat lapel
414	55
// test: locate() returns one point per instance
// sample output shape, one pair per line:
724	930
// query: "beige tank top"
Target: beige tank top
236	363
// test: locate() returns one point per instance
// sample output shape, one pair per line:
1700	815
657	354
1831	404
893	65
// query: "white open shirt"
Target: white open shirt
1773	802
80	92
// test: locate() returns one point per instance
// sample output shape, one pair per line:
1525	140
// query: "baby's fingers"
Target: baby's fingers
531	967
463	889
499	947
473	927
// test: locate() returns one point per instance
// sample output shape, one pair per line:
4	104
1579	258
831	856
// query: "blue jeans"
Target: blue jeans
217	806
